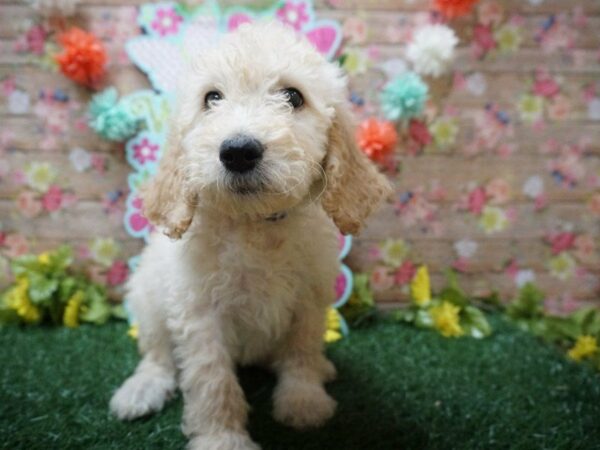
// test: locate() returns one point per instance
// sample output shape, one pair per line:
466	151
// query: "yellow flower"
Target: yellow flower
40	175
104	251
393	252
420	287
562	266
18	299
585	346
446	319
493	219
530	107
333	326
509	38
134	331
444	131
44	258
71	314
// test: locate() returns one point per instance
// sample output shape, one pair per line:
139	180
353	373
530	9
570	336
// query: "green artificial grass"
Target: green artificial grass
398	388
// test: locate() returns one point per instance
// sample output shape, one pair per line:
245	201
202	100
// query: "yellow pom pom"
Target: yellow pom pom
71	314
446	319
333	326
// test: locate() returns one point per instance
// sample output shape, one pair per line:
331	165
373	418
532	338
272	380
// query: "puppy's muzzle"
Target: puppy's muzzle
241	153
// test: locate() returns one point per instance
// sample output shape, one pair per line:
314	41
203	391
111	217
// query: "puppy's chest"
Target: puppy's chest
261	279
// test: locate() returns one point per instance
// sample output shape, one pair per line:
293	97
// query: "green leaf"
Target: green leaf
404	315
96	312
118	312
423	319
41	289
475	323
528	305
68	286
453	292
26	264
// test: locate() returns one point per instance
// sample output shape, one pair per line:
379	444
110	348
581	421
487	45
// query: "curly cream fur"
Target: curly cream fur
235	288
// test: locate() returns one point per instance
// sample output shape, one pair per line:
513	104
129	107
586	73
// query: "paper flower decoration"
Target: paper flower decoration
109	119
432	49
55	8
376	138
83	58
454	8
404	97
420	287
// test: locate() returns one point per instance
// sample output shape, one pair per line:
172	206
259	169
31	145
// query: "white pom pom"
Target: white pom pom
55	8
432	49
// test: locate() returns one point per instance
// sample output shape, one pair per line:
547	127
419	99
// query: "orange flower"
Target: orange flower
83	58
376	138
454	8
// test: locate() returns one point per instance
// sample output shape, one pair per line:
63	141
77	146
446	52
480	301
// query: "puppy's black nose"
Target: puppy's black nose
240	153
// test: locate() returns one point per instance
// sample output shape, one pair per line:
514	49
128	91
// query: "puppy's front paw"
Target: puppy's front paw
227	440
141	394
303	405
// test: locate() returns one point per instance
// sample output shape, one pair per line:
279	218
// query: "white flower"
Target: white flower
104	251
432	49
523	277
594	109
81	159
40	175
465	248
533	187
476	83
393	67
18	102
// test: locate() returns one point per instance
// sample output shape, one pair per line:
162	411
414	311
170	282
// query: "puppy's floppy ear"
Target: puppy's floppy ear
168	202
354	186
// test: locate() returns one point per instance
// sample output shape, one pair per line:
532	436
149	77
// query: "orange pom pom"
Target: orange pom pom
454	8
376	138
83	58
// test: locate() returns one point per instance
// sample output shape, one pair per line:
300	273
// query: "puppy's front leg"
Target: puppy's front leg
300	400
215	410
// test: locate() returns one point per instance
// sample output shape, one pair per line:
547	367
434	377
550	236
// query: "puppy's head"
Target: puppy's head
262	126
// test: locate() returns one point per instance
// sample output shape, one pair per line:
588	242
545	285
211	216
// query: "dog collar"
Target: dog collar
276	217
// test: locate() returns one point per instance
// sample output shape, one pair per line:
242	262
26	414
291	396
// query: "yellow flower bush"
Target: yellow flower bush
446	319
584	347
17	299
420	287
333	331
71	314
450	312
47	289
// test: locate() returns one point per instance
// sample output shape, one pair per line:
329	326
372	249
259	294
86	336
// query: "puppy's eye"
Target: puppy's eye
294	97
211	98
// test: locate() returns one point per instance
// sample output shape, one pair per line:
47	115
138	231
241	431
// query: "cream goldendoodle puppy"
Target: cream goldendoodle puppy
260	168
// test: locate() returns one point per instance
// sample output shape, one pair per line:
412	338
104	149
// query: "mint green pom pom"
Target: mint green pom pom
404	97
110	119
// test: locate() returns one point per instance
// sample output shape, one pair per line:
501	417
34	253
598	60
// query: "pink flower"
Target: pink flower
419	132
405	273
512	269
355	30
293	14
545	86
483	38
52	199
461	264
498	190
145	151
166	21
117	274
559	108
381	279
585	246
561	242
99	163
28	204
594	204
476	200
236	20
36	37
16	245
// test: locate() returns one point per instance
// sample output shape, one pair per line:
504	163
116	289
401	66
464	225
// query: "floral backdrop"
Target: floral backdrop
499	178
